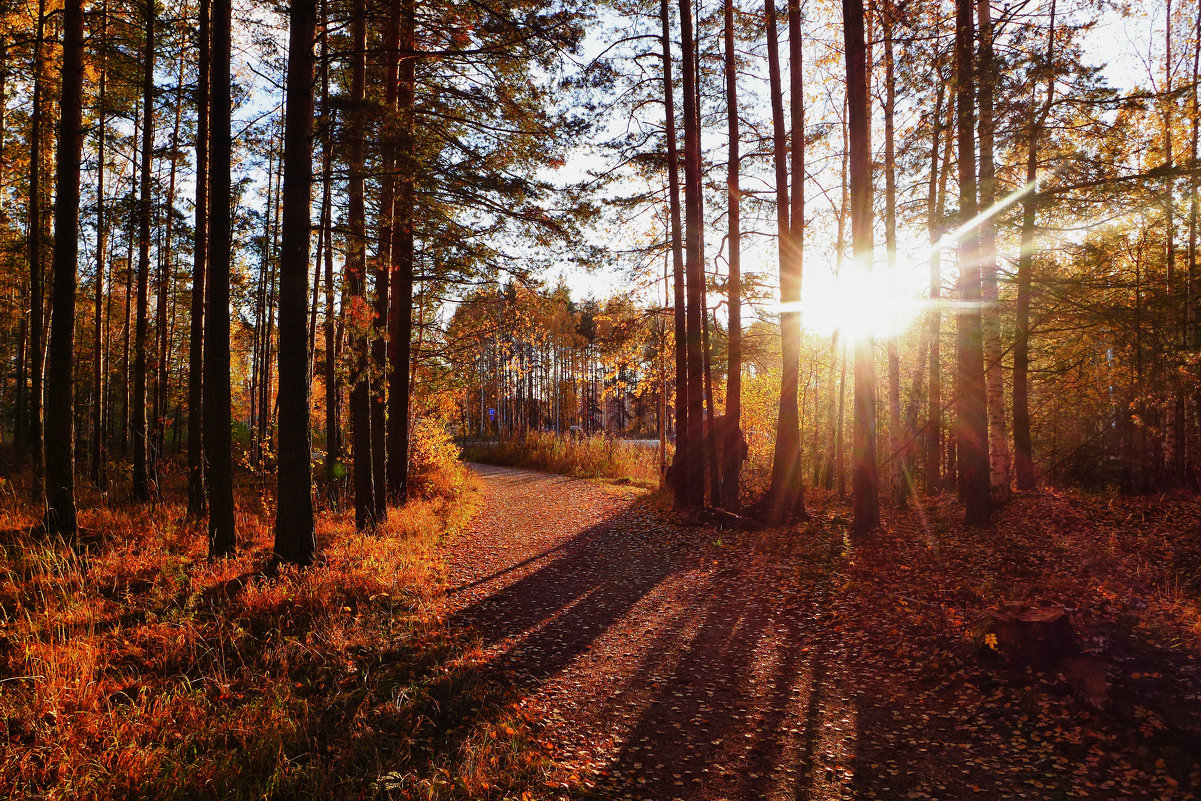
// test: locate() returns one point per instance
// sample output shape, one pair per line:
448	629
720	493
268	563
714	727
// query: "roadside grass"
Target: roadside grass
594	456
139	669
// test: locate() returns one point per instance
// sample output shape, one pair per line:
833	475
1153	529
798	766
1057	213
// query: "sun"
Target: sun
857	303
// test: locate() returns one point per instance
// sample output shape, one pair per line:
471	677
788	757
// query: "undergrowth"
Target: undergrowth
139	669
593	456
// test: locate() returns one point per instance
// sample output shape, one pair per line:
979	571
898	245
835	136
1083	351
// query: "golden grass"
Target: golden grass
141	670
593	456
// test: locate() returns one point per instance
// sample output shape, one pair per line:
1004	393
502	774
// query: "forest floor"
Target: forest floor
664	660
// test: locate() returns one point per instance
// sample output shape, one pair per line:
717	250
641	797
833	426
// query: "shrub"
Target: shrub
435	469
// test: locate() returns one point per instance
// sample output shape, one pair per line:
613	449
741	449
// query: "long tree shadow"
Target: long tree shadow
592	580
721	687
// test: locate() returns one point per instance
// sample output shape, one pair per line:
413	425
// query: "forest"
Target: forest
701	399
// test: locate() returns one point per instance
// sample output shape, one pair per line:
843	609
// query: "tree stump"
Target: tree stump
1034	636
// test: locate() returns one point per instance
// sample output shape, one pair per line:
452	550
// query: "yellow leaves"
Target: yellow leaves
990	640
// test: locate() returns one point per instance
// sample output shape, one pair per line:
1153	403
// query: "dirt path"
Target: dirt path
685	663
673	672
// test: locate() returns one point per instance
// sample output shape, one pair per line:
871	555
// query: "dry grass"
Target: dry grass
594	456
141	670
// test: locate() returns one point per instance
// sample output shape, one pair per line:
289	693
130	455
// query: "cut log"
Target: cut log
1034	636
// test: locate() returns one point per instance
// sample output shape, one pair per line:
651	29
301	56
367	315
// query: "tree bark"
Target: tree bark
360	400
60	413
141	475
218	447
401	311
998	439
677	256
196	491
99	455
333	430
35	237
294	539
935	207
898	468
785	497
694	462
971	413
864	477
1023	451
732	466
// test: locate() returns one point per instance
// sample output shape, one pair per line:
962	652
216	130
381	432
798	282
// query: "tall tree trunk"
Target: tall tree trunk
196	492
786	498
360	400
127	330
218	447
383	268
731	449
141	476
294	540
1191	301
998	439
333	431
60	413
1022	444
679	482
864	478
898	467
99	455
1173	428
971	413
694	464
401	311
166	277
35	234
934	212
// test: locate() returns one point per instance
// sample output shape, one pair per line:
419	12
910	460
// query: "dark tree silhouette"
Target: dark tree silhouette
971	425
864	477
141	475
218	445
294	517
196	494
60	357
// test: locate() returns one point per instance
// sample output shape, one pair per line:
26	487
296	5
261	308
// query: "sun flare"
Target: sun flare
856	303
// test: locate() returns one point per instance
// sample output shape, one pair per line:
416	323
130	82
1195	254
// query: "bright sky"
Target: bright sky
859	301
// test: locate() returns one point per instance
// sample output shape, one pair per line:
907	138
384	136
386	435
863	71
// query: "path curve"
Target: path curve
661	658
